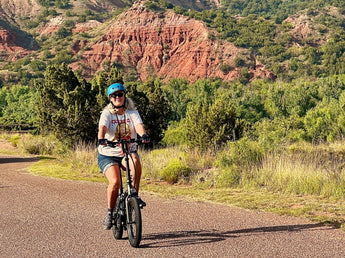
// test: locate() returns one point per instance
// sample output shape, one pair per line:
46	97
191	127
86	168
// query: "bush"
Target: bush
15	140
243	153
40	145
174	171
321	123
175	134
229	177
210	124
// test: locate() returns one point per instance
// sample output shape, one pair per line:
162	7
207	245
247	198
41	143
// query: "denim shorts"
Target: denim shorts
105	162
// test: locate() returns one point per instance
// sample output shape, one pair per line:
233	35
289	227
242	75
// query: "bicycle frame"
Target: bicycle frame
125	147
127	204
130	189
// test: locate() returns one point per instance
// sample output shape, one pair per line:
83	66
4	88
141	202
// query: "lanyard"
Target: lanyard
118	122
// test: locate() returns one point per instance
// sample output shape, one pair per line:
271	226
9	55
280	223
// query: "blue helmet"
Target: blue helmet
115	87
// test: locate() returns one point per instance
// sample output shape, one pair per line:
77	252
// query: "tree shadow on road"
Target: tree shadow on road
17	159
181	238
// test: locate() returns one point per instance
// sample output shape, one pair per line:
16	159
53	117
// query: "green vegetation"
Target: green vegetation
17	107
175	171
204	115
67	105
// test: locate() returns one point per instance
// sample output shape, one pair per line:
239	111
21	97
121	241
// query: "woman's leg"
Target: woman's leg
113	176
137	175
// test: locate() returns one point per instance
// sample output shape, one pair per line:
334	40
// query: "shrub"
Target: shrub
175	134
175	171
243	153
229	177
321	123
226	68
15	140
40	145
210	124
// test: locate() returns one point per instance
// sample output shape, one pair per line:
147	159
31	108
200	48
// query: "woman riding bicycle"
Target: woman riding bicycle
119	119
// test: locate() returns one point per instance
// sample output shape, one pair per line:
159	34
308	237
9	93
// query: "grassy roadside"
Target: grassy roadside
81	165
318	209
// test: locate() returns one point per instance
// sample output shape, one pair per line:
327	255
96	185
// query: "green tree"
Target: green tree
208	125
67	105
156	111
322	124
17	107
176	92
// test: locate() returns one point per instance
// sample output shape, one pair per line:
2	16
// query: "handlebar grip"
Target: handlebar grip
123	141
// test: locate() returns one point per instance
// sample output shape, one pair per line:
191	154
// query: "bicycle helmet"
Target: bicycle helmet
115	87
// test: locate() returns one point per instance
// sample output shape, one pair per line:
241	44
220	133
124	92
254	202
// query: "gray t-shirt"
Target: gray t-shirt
125	124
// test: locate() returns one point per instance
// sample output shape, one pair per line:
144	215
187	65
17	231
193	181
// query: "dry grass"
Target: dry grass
300	180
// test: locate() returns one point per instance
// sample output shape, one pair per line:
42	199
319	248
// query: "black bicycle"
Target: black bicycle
127	213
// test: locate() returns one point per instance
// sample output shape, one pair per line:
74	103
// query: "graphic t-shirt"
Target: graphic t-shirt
118	126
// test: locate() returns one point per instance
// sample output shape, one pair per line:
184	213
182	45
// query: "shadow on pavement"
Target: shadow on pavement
17	159
181	238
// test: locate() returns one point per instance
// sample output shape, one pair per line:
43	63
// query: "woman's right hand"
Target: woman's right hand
102	141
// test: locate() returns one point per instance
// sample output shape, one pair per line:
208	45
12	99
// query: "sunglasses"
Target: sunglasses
114	95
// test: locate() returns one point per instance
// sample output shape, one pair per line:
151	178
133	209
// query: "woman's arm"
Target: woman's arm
102	131
140	129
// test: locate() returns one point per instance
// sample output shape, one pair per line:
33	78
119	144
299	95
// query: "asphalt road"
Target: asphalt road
45	217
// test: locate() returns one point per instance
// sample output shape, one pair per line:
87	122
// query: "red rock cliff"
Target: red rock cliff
169	45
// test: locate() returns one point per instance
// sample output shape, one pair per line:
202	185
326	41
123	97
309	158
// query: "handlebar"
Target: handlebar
123	141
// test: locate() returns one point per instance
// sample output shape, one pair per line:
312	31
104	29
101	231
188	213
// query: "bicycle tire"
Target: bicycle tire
134	225
118	226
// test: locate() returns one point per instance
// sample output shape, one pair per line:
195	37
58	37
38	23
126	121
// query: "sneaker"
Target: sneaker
107	222
141	203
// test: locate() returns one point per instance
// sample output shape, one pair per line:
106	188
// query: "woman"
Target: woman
119	119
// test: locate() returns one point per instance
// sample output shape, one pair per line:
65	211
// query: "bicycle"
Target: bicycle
127	212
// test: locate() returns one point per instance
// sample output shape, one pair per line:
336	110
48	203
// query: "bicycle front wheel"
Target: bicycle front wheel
134	225
118	226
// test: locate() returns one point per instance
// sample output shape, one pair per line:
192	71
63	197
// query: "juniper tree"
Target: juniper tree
67	105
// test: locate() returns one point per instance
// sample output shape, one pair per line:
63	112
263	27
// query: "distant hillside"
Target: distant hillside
164	44
195	39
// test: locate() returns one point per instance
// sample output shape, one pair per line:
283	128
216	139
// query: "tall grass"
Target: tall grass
155	162
298	169
302	169
41	145
79	163
82	159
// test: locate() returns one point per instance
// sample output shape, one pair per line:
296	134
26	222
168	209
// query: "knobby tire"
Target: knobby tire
118	226
134	227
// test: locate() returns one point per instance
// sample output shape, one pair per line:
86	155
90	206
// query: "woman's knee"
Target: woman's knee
113	176
114	184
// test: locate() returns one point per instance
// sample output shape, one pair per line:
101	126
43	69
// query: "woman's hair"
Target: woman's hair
128	105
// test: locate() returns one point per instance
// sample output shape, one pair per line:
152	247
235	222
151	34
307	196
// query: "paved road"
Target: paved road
44	217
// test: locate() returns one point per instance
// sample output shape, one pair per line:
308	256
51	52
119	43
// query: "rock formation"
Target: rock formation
164	44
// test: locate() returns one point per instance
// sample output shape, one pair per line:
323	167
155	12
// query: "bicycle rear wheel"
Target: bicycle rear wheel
118	226
134	225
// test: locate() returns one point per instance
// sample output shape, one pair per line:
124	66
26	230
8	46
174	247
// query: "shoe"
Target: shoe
141	203
107	222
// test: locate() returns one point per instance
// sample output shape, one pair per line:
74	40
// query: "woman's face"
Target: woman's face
117	98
